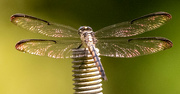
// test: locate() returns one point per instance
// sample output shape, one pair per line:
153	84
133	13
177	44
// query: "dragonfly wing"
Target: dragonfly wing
50	48
43	27
134	27
132	47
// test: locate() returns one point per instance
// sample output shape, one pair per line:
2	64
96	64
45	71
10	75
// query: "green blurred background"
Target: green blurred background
29	74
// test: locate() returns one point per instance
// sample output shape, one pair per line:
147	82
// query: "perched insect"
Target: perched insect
109	40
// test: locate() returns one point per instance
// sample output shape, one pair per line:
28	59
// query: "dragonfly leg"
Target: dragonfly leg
85	54
81	65
79	46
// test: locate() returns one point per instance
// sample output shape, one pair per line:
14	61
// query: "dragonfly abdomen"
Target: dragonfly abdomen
97	61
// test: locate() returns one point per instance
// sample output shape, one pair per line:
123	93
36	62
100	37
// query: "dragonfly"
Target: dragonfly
112	41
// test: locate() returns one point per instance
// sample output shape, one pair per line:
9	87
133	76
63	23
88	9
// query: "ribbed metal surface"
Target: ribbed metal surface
86	75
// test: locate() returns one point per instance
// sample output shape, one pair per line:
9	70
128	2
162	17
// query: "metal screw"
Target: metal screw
86	75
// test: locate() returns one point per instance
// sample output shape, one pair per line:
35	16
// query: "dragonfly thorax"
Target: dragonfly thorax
87	36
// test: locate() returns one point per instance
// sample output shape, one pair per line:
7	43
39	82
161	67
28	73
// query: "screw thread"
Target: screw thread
86	75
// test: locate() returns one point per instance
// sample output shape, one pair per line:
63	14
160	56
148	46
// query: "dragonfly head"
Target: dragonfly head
84	29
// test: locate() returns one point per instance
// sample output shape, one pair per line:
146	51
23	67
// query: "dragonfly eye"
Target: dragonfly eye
84	28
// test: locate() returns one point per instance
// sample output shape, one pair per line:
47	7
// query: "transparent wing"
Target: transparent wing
134	27
43	27
50	48
132	47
